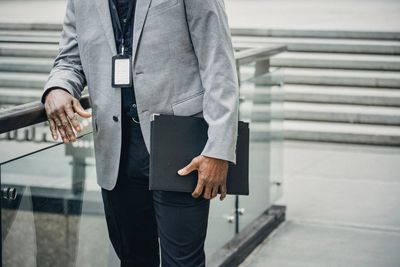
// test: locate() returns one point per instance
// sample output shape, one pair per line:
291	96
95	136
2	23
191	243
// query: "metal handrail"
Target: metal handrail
28	114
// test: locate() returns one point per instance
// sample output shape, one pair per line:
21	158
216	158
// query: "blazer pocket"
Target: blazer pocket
161	7
189	106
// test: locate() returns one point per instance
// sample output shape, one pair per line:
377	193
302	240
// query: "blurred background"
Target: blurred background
320	87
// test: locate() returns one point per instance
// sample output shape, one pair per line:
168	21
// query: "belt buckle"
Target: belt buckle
135	121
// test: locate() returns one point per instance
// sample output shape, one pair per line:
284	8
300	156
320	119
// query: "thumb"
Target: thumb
192	166
79	109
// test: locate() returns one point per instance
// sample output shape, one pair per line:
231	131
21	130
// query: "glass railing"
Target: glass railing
261	106
52	212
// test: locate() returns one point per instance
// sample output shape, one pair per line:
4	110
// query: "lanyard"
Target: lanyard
122	28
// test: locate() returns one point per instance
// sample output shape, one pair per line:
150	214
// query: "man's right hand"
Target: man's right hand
61	108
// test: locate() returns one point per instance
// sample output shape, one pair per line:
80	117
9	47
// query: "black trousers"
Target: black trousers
139	220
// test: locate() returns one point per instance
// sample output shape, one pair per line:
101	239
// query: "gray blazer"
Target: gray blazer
183	64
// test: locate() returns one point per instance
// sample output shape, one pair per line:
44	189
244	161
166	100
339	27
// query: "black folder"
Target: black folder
176	140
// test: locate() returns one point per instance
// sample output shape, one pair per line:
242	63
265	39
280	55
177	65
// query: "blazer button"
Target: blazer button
115	118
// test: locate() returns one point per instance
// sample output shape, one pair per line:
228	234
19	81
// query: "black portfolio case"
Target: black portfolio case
176	140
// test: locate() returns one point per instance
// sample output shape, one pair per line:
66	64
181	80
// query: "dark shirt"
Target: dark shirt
134	155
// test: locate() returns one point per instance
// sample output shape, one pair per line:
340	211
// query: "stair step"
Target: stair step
28	50
328	132
22	80
342	95
17	96
322	94
21	33
336	61
28	26
261	95
26	64
300	33
29	39
322	112
342	77
12	36
323	45
342	132
342	113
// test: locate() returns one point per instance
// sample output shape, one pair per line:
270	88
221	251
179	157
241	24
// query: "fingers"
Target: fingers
79	109
222	192
214	192
72	118
199	188
60	129
67	126
207	192
52	123
192	166
60	108
53	129
210	191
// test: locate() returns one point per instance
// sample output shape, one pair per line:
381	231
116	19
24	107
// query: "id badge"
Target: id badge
121	71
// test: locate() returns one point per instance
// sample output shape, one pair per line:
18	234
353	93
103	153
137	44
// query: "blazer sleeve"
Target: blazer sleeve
210	34
67	72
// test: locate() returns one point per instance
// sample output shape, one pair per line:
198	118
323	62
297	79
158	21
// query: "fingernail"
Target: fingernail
180	172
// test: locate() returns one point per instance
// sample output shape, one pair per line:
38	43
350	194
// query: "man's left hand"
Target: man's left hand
211	176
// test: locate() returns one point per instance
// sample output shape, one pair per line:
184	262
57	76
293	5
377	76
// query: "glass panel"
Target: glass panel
26	140
56	218
261	105
277	135
221	223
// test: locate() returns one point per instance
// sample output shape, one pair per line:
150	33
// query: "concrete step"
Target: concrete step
22	80
342	95
328	132
28	50
13	36
325	45
30	26
302	33
261	95
298	33
26	64
17	96
342	132
21	33
29	39
388	79
321	112
341	113
336	61
322	94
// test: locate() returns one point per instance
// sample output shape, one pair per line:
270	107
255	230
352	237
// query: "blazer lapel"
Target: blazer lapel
142	6
105	17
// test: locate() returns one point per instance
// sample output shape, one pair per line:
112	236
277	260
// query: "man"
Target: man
161	56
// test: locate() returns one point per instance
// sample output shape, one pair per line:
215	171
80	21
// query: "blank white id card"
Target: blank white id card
121	71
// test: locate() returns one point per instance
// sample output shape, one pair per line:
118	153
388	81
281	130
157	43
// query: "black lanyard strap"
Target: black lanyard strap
122	28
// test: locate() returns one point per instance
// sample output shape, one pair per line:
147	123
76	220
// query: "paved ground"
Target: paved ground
342	208
371	15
